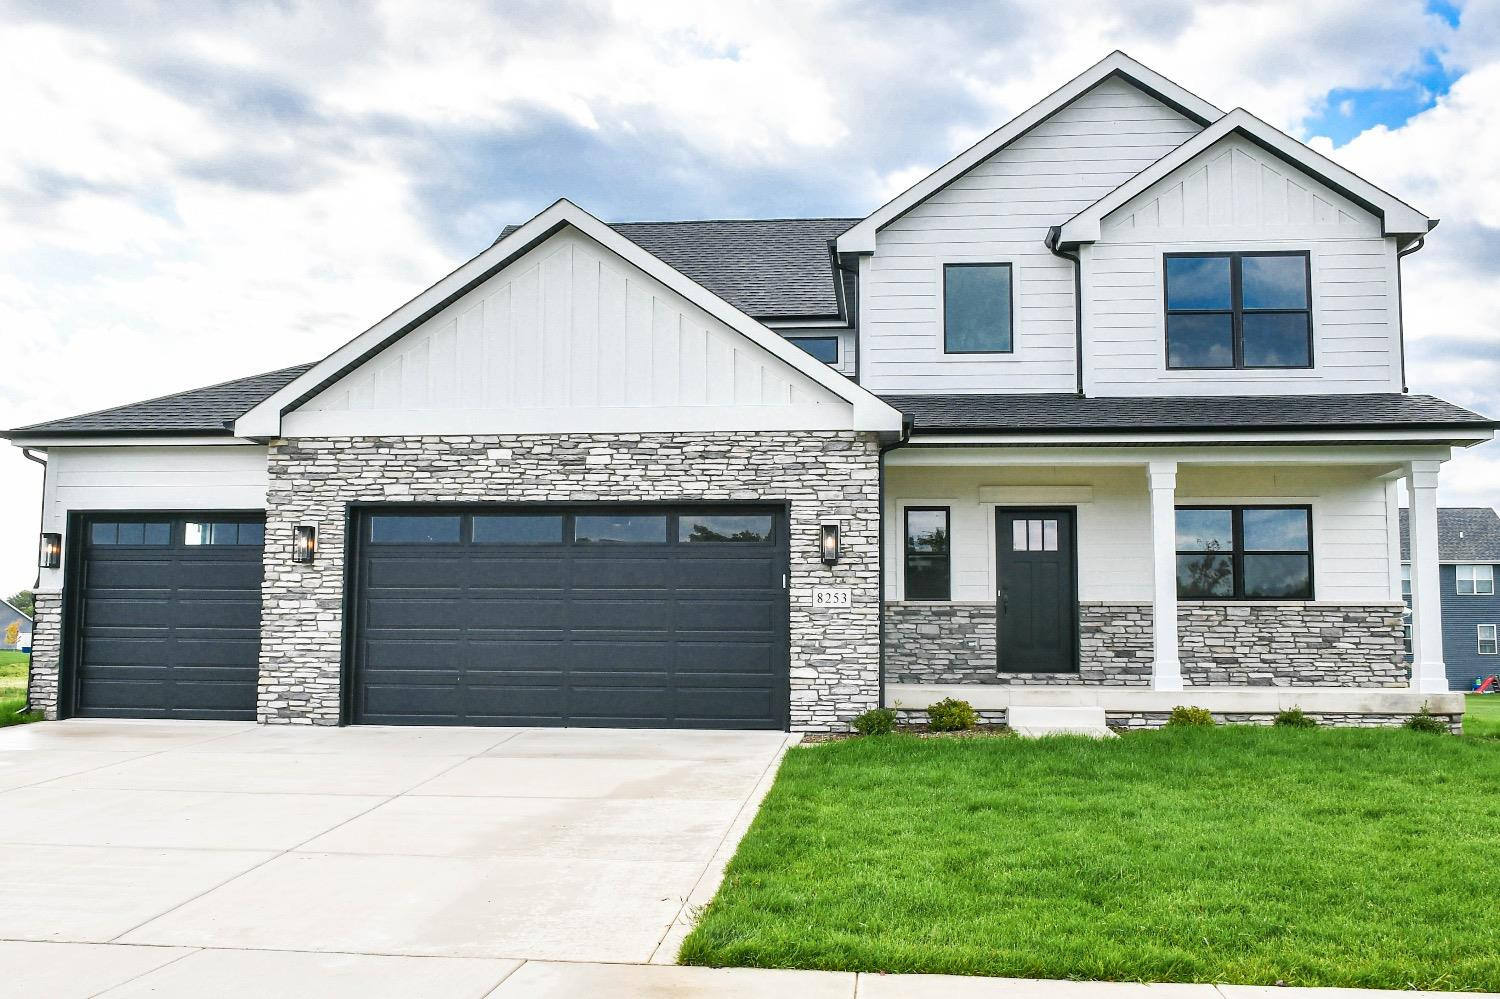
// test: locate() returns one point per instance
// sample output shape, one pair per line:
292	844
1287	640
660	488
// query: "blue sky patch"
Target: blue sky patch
1348	111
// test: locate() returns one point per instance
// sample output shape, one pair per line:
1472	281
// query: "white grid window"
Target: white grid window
1476	580
1487	643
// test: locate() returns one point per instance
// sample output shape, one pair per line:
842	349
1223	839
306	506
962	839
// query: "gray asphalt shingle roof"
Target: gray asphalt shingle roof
1058	413
1465	534
766	268
198	411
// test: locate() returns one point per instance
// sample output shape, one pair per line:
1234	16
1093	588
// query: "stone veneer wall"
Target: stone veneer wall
1291	644
955	643
46	652
1227	644
825	476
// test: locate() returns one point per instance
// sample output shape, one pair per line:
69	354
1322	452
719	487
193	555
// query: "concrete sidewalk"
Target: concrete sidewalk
122	971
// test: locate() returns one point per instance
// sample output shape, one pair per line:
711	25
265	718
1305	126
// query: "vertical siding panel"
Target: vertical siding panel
417	384
665	352
526	335
583	370
557	286
443	364
692	373
470	355
613	336
500	360
638	324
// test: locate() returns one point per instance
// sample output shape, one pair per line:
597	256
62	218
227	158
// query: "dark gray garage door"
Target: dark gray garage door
632	617
168	616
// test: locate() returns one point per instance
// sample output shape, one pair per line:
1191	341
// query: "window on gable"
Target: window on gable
824	348
1238	310
926	553
977	309
1244	553
1476	580
1487	641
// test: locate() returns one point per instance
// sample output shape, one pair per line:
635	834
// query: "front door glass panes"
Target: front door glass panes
1039	535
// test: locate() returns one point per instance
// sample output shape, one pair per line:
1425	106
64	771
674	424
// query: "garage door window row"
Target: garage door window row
165	534
634	527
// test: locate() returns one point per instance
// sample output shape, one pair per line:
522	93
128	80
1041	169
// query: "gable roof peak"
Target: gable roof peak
860	238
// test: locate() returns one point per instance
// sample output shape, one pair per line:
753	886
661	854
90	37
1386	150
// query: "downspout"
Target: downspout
906	428
41	526
1053	234
1410	248
851	306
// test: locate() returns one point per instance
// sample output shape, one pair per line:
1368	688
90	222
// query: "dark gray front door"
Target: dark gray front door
1037	598
168	615
599	616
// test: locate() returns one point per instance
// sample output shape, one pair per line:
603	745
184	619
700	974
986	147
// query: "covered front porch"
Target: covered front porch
1128	580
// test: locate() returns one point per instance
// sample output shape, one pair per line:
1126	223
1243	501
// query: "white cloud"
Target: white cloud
205	191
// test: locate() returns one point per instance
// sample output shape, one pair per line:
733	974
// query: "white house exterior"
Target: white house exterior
1106	415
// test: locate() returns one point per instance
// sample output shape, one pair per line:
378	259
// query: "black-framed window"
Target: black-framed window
1244	553
1238	310
130	532
927	570
822	348
244	532
978	309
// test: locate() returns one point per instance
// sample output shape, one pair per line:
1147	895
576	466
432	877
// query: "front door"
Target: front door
1037	593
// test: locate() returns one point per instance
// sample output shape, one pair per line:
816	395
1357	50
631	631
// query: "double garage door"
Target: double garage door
603	616
607	616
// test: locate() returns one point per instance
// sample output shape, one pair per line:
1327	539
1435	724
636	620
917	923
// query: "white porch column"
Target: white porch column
1166	667
1428	674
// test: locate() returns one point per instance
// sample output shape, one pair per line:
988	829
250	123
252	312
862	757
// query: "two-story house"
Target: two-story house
1468	560
1103	416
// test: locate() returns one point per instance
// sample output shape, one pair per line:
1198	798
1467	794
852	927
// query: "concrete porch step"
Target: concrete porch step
1033	721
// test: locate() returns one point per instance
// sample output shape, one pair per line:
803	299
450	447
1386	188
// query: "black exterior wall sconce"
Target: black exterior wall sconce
304	542
830	544
49	554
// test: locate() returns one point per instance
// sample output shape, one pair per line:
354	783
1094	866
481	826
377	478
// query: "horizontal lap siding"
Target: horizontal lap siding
1237	197
1001	211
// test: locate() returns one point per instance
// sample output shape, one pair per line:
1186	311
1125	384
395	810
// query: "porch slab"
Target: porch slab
1228	700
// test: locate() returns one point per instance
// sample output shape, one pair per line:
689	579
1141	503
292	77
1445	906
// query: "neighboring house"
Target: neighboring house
1103	416
9	615
1468	565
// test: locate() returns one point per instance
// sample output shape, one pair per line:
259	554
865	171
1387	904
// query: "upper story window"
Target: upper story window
1476	580
824	348
1238	310
978	309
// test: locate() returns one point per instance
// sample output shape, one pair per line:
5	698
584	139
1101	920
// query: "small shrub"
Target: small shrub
876	721
1294	718
952	715
1183	715
1426	721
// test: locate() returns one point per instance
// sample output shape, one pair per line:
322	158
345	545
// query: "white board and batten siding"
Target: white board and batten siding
570	338
1351	522
1236	196
1000	211
184	477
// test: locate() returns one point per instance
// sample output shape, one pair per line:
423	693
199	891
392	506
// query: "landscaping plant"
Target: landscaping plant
1426	721
876	721
1294	718
1190	716
952	715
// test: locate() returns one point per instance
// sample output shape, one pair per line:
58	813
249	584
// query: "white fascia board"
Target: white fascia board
860	238
1397	217
979	453
43	442
264	421
1333	435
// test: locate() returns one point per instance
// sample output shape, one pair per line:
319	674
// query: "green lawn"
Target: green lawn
1482	715
1250	855
13	666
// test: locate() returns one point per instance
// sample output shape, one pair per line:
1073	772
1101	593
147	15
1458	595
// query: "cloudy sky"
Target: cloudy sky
194	192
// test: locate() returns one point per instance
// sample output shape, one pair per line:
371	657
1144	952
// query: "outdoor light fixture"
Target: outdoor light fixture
50	554
830	544
304	542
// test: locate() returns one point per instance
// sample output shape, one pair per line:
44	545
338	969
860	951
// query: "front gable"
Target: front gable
562	326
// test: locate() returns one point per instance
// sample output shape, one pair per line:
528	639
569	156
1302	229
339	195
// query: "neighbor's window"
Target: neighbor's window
1406	610
1487	644
927	572
823	348
977	309
1238	310
1476	580
1244	553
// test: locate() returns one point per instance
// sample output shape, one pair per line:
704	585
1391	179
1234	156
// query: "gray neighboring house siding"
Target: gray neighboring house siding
823	476
1466	536
8	616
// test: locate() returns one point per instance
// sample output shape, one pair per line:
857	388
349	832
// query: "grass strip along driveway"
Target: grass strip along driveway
1243	855
13	668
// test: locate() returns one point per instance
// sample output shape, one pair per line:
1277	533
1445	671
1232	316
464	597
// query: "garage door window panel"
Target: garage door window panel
726	528
518	529
407	529
620	529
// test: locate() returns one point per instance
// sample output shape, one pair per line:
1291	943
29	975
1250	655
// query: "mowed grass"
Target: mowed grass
13	668
1245	855
1482	715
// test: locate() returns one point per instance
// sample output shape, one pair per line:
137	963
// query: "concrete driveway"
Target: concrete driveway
183	853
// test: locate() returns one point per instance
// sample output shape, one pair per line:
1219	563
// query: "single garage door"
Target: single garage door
618	616
167	616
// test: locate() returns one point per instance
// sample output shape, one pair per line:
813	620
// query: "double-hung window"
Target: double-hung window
1238	310
927	575
1406	607
1476	580
1487	640
1244	553
978	309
